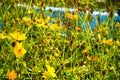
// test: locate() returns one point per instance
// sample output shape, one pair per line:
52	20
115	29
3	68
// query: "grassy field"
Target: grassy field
35	46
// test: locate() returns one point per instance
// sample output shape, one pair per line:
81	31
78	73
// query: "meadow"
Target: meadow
35	45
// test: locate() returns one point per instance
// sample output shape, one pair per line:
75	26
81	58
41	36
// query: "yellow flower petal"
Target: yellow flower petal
30	11
55	27
45	75
70	16
51	71
11	75
108	42
19	50
26	19
16	35
42	25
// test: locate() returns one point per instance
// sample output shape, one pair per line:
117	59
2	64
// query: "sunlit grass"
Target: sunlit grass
36	46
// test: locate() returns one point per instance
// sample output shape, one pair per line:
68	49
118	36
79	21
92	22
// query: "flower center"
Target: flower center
19	50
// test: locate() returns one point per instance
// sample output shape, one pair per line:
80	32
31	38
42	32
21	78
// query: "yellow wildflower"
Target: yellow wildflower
55	27
111	68
11	75
43	25
19	50
108	42
51	71
30	11
70	16
94	59
56	54
45	75
41	20
27	20
2	36
16	35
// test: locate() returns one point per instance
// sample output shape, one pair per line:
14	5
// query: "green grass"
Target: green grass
66	54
